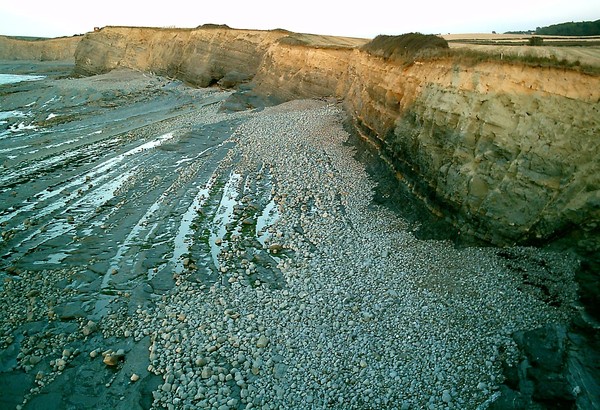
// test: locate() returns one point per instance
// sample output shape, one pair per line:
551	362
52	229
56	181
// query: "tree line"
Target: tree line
581	28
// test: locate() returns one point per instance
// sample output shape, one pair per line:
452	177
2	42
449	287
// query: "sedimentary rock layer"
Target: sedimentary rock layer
41	50
200	57
513	148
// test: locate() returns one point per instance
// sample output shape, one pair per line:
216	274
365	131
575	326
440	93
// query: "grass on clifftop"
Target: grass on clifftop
404	47
473	57
407	48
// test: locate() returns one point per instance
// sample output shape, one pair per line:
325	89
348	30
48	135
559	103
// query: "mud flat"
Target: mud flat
160	252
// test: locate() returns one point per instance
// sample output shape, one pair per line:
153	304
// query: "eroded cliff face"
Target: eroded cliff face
288	72
41	50
198	56
512	151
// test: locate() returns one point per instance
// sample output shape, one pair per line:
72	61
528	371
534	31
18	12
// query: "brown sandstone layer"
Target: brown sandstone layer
200	57
62	48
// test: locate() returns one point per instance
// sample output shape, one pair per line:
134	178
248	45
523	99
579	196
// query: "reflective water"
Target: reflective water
17	78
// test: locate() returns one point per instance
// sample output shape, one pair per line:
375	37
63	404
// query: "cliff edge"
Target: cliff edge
198	56
512	148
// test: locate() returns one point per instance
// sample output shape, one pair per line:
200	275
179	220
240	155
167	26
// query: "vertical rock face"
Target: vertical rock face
41	50
511	150
291	71
199	56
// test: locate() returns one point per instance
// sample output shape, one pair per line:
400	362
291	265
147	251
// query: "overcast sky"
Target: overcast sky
367	18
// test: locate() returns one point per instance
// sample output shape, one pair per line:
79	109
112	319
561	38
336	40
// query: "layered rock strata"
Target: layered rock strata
62	48
200	57
514	149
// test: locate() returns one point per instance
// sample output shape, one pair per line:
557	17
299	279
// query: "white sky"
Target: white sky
367	18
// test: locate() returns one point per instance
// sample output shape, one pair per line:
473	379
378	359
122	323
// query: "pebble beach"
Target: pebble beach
366	315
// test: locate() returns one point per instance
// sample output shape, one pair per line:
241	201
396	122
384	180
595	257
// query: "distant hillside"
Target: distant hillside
582	28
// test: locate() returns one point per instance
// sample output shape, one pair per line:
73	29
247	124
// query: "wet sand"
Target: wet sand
159	252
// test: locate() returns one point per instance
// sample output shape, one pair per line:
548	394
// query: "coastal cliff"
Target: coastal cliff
511	149
507	151
62	48
200	57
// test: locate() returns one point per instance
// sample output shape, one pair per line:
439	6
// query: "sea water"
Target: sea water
17	78
4	115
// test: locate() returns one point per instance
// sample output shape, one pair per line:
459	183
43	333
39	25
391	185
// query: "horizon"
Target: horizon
64	18
224	25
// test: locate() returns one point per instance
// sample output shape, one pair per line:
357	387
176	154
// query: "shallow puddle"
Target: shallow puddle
184	238
224	216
